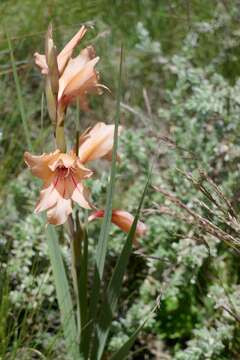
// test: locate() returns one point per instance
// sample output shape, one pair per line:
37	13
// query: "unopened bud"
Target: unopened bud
51	101
51	58
48	39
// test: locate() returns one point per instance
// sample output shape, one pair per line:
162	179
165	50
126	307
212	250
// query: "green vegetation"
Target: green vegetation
180	112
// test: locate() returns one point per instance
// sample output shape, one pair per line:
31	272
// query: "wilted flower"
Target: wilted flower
63	174
122	219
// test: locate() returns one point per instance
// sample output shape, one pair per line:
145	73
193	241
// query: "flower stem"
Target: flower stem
60	138
77	236
77	126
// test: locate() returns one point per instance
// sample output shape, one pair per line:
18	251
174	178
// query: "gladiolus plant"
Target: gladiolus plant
86	316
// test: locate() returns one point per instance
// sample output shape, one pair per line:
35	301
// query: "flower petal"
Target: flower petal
66	160
74	66
97	143
77	79
39	164
66	53
40	61
60	188
56	199
48	197
81	171
58	214
80	194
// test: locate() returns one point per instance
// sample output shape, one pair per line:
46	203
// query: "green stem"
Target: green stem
60	138
83	279
77	127
75	255
78	236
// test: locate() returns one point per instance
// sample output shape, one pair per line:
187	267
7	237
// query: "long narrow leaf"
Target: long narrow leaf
63	294
103	238
113	291
123	352
19	94
83	281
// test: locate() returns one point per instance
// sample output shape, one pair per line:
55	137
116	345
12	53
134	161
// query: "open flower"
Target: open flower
97	142
62	176
79	79
64	56
122	219
77	76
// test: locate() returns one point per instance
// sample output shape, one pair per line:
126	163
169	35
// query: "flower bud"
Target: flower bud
51	101
51	58
122	219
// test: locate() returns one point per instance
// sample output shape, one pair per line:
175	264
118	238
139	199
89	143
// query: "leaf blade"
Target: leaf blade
103	238
63	293
123	352
114	287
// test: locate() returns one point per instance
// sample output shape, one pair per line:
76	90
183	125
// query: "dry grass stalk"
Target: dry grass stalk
221	220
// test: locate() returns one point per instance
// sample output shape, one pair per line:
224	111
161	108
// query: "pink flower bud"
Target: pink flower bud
122	219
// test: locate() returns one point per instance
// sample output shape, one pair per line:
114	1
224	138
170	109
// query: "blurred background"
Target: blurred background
180	111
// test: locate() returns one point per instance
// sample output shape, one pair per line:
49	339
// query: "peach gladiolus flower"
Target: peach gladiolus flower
79	79
122	219
62	176
78	76
97	142
64	56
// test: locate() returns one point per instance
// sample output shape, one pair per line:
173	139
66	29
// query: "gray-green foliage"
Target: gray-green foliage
201	113
28	280
28	247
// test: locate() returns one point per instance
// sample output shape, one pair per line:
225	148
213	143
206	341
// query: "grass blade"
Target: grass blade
83	292
123	352
63	294
103	238
83	280
113	291
19	95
